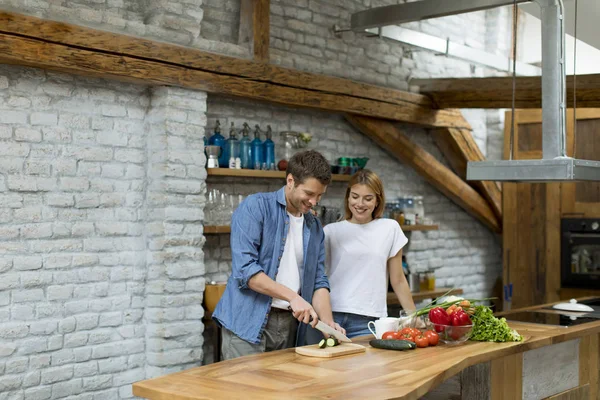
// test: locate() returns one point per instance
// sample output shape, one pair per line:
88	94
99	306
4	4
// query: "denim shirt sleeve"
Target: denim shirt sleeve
321	280
246	229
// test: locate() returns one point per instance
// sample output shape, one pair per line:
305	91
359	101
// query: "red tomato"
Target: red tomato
391	335
432	337
407	331
415	332
407	336
421	341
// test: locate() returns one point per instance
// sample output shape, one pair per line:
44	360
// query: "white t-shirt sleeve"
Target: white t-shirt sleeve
399	239
327	233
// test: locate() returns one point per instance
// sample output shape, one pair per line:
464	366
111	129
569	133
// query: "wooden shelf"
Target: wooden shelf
420	296
253	173
213	230
419	227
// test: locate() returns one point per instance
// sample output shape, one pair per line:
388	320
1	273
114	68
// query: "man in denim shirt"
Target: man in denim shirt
278	271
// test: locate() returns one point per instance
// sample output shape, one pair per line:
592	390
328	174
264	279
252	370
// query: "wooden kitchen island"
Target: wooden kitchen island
552	362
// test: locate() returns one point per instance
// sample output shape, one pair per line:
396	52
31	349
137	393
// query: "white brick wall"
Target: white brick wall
173	21
94	295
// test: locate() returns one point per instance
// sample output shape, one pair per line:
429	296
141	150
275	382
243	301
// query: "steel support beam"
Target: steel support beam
420	10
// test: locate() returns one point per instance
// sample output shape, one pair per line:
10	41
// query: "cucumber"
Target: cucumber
322	344
392	344
331	341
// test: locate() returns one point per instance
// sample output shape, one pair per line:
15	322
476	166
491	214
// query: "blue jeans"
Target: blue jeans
354	324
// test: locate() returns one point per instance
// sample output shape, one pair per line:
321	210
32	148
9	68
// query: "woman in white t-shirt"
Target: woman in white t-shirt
362	251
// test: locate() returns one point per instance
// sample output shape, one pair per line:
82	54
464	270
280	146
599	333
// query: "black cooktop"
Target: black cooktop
543	318
591	302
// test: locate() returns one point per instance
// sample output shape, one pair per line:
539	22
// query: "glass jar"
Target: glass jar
419	210
290	144
423	285
430	280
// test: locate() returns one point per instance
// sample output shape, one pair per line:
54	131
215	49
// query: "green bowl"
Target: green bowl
360	162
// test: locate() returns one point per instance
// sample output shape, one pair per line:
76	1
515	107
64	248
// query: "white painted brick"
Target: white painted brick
86	322
64	389
16	365
112	365
56	134
67	325
39	118
14	149
112	138
22	312
38	393
74	184
90	153
13	117
87	200
82	354
130	155
59	292
36	279
31	379
22	296
62	357
28	135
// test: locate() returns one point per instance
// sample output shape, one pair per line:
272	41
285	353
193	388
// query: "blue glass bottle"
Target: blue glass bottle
256	150
269	149
232	147
245	156
218	140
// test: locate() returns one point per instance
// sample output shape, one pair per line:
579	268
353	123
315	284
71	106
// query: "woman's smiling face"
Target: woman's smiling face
361	201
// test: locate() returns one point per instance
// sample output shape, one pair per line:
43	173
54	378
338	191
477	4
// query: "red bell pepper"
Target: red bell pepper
438	316
460	318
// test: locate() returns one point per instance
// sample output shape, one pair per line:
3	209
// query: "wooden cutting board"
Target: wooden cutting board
339	350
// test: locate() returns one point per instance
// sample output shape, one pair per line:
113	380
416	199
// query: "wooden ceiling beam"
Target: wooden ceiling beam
459	147
24	51
255	27
145	61
391	139
496	92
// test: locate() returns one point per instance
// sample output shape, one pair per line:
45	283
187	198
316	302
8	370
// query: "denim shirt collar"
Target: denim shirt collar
309	218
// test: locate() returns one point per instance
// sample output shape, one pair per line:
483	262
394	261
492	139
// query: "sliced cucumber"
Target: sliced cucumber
392	344
331	341
322	344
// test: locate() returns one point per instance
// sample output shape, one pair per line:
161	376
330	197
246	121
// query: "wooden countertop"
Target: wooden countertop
375	374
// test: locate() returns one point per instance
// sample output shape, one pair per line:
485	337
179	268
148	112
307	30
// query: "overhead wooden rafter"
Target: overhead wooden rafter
496	92
459	147
78	50
390	138
254	27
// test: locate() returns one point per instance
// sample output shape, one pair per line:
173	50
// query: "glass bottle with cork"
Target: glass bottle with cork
269	150
232	148
245	147
256	150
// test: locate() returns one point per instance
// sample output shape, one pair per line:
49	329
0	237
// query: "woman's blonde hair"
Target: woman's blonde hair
370	179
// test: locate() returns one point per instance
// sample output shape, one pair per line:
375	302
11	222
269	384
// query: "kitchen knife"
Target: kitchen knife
323	327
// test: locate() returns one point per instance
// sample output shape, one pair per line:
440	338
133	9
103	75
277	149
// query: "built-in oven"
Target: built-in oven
580	253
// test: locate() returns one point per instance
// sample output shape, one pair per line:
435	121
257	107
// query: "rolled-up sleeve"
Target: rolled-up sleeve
246	232
321	280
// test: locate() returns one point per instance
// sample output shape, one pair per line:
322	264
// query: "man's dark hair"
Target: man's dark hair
309	164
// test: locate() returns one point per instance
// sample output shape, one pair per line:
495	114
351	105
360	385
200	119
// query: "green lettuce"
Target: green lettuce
487	328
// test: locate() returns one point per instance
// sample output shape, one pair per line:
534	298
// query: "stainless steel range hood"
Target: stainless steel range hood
554	165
